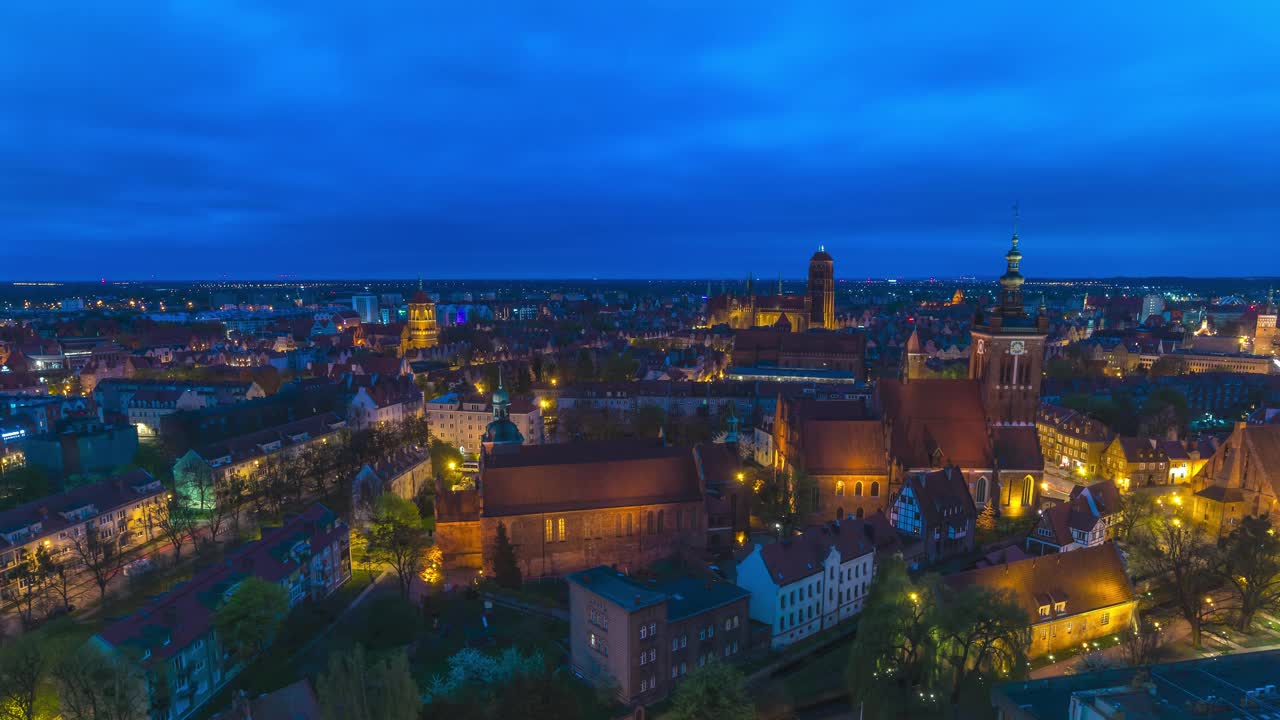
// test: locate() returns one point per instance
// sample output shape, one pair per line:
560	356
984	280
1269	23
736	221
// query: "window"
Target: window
726	651
628	524
675	670
702	634
661	514
683	668
548	537
653	630
1105	619
711	631
644	658
735	621
644	685
857	489
839	488
1044	611
560	529
650	521
675	644
875	489
653	654
644	631
684	641
617	526
982	490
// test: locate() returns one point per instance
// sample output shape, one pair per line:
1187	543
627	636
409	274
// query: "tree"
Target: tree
505	566
248	621
28	586
1251	568
889	656
23	484
1168	365
1137	517
24	663
102	558
1141	644
1178	555
94	686
397	538
715	691
358	688
177	520
58	573
980	634
544	695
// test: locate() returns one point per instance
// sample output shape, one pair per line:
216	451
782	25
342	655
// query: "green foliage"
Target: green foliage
1185	564
24	666
471	671
715	691
1167	366
94	686
248	621
359	687
505	566
397	538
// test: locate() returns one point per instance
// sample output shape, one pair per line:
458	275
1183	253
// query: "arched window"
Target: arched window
858	513
875	489
1028	490
981	495
857	489
839	488
840	513
661	514
650	520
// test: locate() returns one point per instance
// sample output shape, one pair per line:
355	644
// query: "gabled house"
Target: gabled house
805	584
1084	521
935	507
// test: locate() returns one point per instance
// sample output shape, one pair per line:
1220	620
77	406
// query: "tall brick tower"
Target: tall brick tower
822	290
1008	351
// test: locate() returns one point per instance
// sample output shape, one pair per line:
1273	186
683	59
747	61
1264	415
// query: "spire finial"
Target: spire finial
419	281
779	283
1015	222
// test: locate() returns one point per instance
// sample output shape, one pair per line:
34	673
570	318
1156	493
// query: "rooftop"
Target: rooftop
685	597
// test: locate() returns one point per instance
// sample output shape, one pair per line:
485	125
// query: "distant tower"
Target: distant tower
1008	350
501	431
1264	332
914	358
822	290
420	331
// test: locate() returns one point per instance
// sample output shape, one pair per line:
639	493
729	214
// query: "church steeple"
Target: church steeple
1011	281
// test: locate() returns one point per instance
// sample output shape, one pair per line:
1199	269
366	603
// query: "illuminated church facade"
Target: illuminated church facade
813	310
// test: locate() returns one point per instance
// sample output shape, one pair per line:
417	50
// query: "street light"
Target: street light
741	477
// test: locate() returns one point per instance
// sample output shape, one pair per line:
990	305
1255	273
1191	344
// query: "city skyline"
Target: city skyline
660	143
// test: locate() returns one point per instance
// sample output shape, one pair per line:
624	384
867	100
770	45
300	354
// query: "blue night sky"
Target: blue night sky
245	139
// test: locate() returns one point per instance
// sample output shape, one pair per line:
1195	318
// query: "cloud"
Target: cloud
195	139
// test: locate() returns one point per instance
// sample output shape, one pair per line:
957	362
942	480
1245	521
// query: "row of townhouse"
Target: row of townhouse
120	509
172	640
240	456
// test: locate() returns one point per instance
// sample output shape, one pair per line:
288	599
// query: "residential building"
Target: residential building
147	406
461	421
240	455
172	639
377	400
119	509
1083	521
83	446
112	395
1069	598
1238	686
644	637
782	349
937	509
1134	462
1072	444
366	306
812	581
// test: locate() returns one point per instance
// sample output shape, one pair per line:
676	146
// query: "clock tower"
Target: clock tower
1007	354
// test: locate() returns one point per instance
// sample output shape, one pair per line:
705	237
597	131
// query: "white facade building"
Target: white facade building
811	582
460	422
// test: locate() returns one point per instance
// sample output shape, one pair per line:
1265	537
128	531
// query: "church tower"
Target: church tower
420	332
1007	354
1264	332
821	300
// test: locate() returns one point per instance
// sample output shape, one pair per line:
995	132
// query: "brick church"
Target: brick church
569	507
814	310
983	427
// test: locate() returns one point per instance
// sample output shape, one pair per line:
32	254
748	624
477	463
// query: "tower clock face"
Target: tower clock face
982	345
1017	347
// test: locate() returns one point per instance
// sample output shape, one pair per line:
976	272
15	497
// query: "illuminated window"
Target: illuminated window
857	489
560	529
547	533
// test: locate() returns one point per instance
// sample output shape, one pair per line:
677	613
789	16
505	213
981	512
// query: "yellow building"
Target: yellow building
1071	598
1242	478
1072	443
1134	462
420	333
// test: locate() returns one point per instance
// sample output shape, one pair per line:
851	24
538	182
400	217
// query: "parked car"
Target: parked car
141	566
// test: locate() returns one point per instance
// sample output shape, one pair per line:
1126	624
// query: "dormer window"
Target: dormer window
1044	611
1060	606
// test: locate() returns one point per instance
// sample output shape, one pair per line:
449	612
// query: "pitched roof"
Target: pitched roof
936	422
1087	580
943	497
247	447
563	477
115	492
802	555
1018	448
844	447
171	622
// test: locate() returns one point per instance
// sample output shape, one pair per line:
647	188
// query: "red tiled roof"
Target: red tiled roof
116	492
836	447
1088	579
801	556
550	478
937	422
